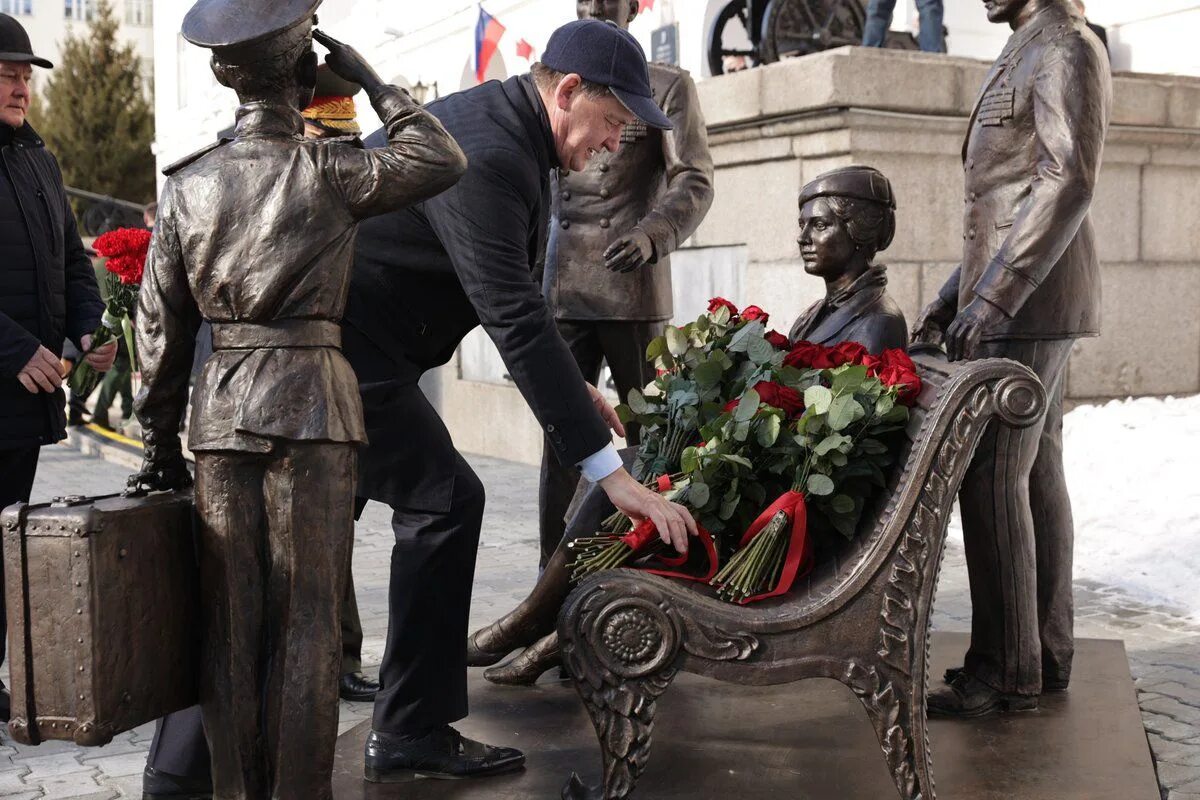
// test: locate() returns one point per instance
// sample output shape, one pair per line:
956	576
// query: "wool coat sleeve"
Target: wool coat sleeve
84	306
17	346
486	222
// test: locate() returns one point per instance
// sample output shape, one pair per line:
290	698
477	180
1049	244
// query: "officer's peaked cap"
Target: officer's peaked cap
236	23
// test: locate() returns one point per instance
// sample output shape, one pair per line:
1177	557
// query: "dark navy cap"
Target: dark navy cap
234	23
600	52
15	46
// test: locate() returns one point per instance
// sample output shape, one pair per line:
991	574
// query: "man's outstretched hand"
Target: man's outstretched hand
348	63
672	521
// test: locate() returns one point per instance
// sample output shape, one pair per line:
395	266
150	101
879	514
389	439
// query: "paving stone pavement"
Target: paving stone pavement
1163	646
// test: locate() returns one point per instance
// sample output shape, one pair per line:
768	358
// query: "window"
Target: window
17	8
78	10
139	12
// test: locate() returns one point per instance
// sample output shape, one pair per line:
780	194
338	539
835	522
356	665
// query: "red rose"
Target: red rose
804	355
785	398
897	357
721	302
847	353
754	312
873	363
907	380
777	340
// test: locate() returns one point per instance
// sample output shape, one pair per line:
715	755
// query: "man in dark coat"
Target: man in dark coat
423	278
1029	285
608	261
48	290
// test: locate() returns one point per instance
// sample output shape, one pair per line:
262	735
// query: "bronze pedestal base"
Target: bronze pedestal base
808	740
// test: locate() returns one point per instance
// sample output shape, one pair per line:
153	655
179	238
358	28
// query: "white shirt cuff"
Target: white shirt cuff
601	464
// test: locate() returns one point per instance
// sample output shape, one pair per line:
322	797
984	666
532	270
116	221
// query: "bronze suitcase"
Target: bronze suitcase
103	614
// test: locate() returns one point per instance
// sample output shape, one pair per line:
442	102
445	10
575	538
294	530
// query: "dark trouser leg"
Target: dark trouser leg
624	346
117	382
352	635
1000	539
19	467
879	19
556	485
178	746
423	676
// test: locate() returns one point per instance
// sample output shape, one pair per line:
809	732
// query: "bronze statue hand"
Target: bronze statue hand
965	333
156	477
930	327
629	252
348	63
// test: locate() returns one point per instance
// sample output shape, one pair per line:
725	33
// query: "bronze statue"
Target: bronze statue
1029	285
256	236
846	217
615	224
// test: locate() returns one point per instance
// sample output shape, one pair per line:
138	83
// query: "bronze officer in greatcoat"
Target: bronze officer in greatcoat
614	227
256	236
1029	285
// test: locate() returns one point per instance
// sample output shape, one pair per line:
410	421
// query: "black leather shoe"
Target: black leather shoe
1049	685
158	785
442	753
357	688
967	696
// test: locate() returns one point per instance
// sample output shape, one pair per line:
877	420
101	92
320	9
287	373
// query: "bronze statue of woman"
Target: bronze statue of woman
847	216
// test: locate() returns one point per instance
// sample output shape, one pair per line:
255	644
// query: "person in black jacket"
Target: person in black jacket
423	278
48	290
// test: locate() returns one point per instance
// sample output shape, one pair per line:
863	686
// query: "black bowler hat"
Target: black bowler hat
600	52
15	46
235	23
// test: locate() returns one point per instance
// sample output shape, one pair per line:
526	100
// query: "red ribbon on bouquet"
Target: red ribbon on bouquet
799	553
645	532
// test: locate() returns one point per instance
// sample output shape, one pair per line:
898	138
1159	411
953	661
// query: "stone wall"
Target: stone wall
775	128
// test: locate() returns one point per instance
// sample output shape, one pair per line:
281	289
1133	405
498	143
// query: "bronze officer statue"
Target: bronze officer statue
846	217
614	226
1029	285
256	236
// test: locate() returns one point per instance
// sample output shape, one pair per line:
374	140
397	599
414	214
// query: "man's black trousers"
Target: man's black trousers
622	344
18	467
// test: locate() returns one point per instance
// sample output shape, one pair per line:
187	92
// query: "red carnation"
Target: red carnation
785	398
754	312
777	340
125	249
847	353
721	302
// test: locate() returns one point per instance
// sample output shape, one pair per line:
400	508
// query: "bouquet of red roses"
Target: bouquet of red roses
737	415
126	250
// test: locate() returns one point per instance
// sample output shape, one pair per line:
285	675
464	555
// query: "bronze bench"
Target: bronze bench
862	617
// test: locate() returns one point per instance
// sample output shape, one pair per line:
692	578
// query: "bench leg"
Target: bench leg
897	712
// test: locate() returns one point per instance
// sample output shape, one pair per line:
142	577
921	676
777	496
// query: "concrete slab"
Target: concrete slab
809	741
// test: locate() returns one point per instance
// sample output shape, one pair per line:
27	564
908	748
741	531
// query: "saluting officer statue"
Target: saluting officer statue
1029	285
614	226
256	236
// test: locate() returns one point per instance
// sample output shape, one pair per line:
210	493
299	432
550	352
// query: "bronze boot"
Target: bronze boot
529	621
525	669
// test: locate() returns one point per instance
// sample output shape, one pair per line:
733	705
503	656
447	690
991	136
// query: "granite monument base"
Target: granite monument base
807	741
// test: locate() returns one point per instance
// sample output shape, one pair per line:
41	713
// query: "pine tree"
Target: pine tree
96	118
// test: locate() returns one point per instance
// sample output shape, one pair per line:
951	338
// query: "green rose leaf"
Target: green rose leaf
741	431
741	460
708	373
698	495
625	414
884	405
820	485
689	460
656	348
747	407
849	379
760	351
842	411
818	398
831	442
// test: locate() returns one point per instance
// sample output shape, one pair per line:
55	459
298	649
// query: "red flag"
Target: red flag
488	31
645	5
525	50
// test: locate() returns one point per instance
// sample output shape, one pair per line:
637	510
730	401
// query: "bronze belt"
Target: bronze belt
281	333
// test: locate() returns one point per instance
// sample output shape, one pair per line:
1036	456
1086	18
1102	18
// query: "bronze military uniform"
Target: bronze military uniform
659	183
1031	160
256	236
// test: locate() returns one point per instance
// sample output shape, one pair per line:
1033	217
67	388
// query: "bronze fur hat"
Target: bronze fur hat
861	183
237	23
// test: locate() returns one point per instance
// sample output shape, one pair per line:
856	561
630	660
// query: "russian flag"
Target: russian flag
488	31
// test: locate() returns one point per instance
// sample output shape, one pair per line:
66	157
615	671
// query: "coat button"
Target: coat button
604	222
566	195
971	233
566	223
605	194
549	429
974	197
604	167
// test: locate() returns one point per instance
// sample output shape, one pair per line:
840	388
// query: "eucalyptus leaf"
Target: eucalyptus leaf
818	398
838	458
698	495
760	351
768	430
747	407
689	460
637	402
656	348
708	373
677	341
842	504
741	431
743	461
820	485
625	414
